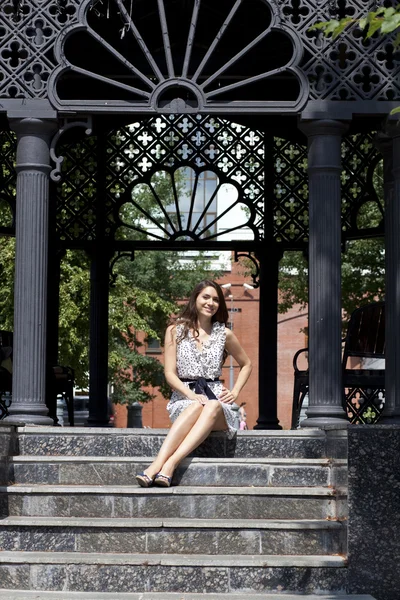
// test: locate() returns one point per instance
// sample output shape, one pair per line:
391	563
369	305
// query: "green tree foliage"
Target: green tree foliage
383	20
363	276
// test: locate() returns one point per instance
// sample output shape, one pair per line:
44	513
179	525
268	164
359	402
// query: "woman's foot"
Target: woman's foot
165	474
162	480
144	480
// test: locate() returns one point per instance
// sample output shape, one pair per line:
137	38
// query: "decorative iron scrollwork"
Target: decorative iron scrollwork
55	174
120	254
255	274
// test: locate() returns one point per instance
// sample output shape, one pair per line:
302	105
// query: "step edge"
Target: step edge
314	433
22	594
155	523
32	458
322	491
197	560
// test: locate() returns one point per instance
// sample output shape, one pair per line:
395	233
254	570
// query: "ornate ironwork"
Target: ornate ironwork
77	191
187	58
360	158
55	174
352	67
290	202
134	153
171	72
364	405
290	208
28	31
113	262
255	273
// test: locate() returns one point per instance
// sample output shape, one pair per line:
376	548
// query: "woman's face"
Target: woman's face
207	302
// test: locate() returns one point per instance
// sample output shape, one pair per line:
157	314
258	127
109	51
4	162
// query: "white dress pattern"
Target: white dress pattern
192	363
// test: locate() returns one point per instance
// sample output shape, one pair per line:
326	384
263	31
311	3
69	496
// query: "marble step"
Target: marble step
86	441
99	470
68	571
29	594
174	536
181	502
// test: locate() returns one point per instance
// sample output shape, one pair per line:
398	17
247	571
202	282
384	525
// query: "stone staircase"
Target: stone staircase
262	516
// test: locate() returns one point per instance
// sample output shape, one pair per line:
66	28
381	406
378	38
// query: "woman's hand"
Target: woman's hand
227	396
199	398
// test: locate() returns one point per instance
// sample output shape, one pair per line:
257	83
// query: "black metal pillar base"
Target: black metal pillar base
30	291
268	340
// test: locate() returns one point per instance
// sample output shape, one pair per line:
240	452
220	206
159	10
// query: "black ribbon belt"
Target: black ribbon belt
200	386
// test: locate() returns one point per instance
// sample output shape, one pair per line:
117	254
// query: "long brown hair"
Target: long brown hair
188	316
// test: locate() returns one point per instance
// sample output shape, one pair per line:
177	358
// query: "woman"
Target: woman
195	348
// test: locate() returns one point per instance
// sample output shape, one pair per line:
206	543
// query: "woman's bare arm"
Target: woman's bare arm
234	348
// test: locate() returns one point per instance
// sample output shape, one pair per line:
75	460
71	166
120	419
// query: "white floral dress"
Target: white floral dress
192	363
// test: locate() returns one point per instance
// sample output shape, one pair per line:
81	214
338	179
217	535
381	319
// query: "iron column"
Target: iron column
325	311
30	291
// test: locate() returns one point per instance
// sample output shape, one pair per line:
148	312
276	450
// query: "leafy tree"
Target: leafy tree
383	20
363	276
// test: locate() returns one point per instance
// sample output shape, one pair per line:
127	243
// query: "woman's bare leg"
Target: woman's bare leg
212	418
178	432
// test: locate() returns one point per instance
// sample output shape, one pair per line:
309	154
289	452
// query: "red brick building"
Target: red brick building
245	303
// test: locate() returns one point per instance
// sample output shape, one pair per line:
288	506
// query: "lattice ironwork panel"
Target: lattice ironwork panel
28	29
8	177
5	403
77	191
290	213
350	68
364	405
199	142
359	158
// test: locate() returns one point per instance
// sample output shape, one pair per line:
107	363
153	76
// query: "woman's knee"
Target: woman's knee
195	408
213	408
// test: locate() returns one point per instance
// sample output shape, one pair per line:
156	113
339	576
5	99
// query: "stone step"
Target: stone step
95	470
68	571
86	441
27	594
181	501
175	536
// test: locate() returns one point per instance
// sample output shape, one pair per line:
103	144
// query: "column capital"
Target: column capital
323	127
33	149
34	126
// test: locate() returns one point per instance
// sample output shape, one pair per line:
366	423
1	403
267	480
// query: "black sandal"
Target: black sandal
144	480
162	480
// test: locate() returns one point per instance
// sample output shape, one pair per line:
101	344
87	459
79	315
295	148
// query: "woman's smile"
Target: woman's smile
207	301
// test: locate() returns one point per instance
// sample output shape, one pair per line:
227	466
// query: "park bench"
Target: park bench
365	341
59	382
